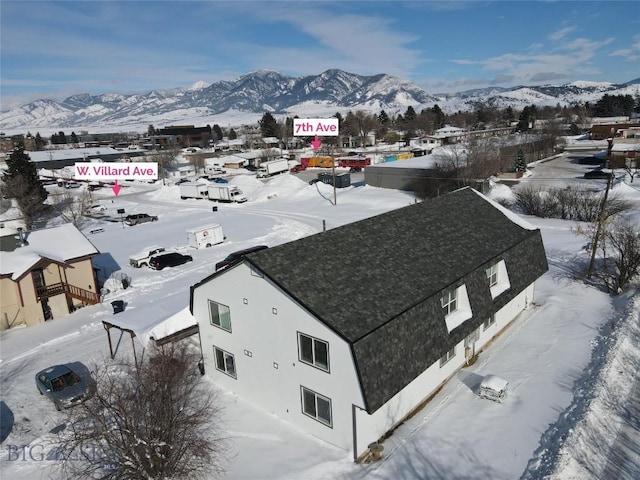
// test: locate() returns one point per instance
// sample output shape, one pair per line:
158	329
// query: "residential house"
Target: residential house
347	332
45	274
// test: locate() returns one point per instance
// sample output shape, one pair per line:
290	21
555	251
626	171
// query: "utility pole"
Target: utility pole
601	215
333	171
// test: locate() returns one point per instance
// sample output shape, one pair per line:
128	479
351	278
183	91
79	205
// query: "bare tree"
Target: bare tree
622	263
165	158
72	207
152	419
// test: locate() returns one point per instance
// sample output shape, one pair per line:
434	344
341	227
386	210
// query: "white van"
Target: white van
494	388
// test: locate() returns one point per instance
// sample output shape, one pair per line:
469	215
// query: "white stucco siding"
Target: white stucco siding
505	316
264	342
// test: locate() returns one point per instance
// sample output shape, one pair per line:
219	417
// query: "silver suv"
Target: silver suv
137	218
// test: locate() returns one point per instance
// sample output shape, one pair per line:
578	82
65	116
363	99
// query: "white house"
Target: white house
346	332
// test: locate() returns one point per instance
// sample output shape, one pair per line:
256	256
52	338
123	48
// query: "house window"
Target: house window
489	321
449	301
225	362
220	315
447	356
316	406
492	274
498	278
313	351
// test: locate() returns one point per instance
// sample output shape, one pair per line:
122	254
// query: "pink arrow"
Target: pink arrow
316	143
116	188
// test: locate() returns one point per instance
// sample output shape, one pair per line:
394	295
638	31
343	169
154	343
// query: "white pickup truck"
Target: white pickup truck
141	258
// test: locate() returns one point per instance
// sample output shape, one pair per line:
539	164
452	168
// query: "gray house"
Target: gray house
346	332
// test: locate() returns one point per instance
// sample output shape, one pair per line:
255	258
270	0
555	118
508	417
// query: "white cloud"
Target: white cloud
560	34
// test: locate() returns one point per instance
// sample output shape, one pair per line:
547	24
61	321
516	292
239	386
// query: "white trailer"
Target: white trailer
213	166
205	236
273	167
193	190
226	193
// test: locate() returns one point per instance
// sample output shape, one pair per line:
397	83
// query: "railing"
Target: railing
50	290
71	290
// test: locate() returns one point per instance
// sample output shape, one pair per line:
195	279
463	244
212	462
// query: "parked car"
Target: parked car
137	218
597	173
171	259
220	180
97	208
232	257
140	259
68	185
64	387
493	388
297	168
182	180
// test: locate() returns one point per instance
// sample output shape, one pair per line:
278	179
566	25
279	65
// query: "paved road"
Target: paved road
623	461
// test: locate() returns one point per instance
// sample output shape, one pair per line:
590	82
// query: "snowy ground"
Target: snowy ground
563	357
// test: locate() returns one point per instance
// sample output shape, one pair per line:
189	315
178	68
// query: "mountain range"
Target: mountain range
247	98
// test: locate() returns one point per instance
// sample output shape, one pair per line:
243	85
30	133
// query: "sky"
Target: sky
569	373
56	49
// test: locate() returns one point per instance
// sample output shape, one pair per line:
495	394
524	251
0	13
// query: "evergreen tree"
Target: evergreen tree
527	118
74	138
520	164
151	131
614	106
383	118
508	115
62	138
269	126
232	134
410	116
40	143
217	132
439	116
22	184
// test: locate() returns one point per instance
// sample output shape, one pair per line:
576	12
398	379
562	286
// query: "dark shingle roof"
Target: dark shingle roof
377	282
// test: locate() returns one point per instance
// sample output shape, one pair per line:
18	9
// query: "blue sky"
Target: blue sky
57	48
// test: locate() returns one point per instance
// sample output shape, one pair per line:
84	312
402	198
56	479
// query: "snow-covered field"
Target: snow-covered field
563	357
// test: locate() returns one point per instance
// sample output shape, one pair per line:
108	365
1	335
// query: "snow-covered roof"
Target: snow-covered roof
156	326
74	153
626	147
60	244
447	129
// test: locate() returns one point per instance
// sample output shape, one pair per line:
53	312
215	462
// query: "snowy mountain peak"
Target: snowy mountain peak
586	84
198	86
262	91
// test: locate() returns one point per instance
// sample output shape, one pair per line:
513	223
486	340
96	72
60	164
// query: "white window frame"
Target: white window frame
314	414
449	301
314	345
492	274
446	358
229	362
499	272
219	323
462	311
